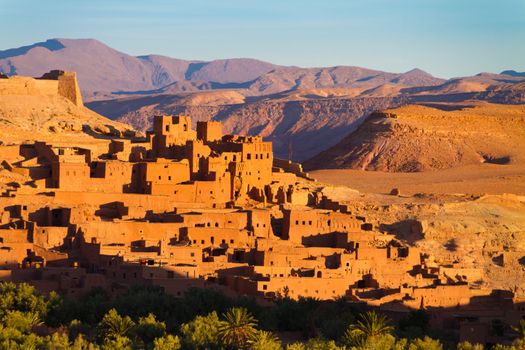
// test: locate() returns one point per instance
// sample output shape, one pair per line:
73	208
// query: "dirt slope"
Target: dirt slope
52	118
417	138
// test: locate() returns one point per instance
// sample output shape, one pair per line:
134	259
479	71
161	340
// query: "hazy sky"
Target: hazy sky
444	37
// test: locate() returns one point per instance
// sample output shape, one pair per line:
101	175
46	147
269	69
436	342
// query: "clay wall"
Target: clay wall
321	288
70	176
209	131
62	84
442	296
128	232
205	237
159	177
49	236
181	254
222	219
68	88
10	154
17	85
195	151
178	286
8	236
298	223
14	253
111	176
169	131
259	222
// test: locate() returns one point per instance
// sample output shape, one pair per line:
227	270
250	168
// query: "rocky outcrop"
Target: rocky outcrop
417	138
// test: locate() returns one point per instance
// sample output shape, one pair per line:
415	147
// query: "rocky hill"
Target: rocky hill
43	109
418	138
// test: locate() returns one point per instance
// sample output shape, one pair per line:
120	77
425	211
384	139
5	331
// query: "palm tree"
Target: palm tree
115	326
264	340
237	328
369	325
521	333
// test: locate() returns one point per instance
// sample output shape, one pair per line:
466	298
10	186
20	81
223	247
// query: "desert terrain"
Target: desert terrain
472	179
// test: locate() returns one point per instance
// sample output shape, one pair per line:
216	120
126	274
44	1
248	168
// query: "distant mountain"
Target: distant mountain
513	73
105	72
101	68
293	78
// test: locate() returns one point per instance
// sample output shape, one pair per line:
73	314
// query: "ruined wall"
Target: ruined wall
55	83
28	86
68	88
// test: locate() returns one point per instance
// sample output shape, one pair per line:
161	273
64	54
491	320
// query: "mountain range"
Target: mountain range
103	70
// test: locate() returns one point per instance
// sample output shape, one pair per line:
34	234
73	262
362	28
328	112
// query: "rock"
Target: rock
102	129
418	227
395	192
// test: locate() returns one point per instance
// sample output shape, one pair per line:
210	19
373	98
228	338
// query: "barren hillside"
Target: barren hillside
52	118
417	138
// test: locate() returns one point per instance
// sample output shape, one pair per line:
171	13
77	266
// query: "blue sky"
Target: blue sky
444	37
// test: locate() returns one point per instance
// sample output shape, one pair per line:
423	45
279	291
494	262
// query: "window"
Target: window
248	156
167	128
192	254
265	287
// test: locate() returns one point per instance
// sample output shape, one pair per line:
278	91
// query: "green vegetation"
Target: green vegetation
146	318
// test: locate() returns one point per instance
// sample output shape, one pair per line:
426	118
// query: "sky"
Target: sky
446	38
